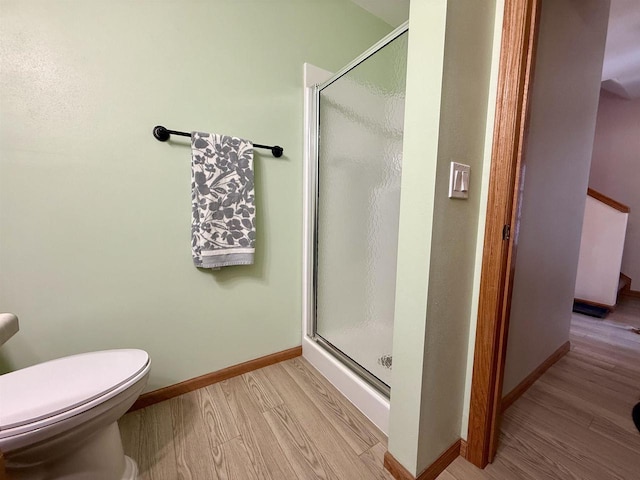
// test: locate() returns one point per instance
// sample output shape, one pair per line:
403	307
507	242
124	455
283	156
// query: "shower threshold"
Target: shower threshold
354	366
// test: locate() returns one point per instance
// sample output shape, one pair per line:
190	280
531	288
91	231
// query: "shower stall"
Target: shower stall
354	130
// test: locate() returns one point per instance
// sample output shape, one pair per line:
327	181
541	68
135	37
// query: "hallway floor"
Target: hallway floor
287	422
575	422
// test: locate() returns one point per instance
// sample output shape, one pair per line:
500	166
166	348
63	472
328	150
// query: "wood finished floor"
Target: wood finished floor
287	422
575	422
281	422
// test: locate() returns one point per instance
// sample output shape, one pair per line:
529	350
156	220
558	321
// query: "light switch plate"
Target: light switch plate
459	180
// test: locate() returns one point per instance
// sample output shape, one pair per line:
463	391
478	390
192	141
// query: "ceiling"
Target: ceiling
621	69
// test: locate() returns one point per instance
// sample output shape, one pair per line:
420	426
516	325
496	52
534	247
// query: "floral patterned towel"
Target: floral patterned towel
223	229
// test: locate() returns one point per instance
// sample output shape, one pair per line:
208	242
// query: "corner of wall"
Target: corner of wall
434	292
482	209
463	128
420	149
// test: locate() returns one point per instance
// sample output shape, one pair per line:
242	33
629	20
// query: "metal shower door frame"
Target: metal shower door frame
315	155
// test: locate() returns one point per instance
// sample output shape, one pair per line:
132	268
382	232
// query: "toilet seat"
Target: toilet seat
41	395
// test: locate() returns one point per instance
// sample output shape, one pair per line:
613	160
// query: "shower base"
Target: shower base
373	404
365	344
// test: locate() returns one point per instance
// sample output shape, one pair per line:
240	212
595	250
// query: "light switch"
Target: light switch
464	187
459	180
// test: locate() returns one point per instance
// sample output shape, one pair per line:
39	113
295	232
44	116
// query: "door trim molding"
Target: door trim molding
517	55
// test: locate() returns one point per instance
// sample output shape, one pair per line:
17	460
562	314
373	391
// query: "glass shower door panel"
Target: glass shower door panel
359	166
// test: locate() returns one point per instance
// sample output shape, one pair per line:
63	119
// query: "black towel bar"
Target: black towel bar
163	134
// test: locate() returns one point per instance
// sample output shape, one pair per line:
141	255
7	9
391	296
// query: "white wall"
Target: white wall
601	245
557	156
615	169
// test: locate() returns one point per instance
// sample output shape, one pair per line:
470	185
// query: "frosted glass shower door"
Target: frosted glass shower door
360	130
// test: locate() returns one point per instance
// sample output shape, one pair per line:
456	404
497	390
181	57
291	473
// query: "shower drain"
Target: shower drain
385	361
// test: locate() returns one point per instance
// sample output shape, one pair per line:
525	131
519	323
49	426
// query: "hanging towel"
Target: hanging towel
223	201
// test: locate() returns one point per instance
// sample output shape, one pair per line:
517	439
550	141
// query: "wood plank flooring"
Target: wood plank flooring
286	422
282	422
575	422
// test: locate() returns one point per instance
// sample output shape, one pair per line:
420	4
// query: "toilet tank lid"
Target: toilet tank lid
56	386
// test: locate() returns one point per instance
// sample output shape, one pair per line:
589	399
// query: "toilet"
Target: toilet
58	419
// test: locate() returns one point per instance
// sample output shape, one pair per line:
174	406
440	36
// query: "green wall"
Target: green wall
420	149
448	83
95	213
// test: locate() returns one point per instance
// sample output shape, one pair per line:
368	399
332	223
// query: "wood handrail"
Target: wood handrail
608	200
